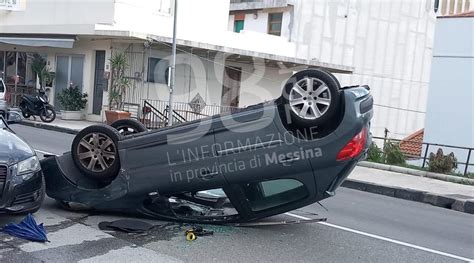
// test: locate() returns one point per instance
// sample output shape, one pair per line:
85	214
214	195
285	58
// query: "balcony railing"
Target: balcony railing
453	7
155	112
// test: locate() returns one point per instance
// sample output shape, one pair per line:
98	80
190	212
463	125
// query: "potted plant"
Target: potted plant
118	87
43	72
73	102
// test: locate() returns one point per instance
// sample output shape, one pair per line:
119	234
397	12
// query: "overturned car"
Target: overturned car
239	166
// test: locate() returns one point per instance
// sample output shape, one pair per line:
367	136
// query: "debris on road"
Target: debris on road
128	226
197	231
27	229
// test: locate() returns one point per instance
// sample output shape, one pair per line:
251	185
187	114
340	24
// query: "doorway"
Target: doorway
231	86
69	71
99	82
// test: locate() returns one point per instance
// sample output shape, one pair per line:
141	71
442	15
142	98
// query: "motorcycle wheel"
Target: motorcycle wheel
25	114
48	114
24	111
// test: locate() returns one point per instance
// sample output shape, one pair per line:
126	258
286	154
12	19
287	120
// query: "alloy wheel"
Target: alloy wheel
310	98
96	152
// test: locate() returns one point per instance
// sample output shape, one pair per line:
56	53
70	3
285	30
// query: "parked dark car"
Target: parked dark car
10	115
239	166
3	109
21	180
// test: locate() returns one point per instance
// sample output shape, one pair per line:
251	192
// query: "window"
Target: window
274	193
274	23
238	25
157	70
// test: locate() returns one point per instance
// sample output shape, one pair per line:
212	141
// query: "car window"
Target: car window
269	194
2	88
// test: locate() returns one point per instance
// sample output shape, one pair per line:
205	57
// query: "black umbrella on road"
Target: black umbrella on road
27	229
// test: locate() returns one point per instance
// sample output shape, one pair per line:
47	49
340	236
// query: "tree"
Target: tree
119	82
44	73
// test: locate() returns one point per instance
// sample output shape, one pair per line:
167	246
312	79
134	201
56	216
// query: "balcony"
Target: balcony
240	5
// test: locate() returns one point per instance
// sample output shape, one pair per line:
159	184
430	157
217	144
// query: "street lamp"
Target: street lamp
172	72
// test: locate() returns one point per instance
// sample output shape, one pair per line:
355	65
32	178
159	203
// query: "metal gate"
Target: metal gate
135	72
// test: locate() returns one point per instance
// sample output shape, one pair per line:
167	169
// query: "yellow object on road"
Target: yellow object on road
190	236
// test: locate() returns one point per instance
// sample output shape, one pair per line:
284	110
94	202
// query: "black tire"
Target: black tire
48	114
25	114
319	113
24	111
128	126
96	162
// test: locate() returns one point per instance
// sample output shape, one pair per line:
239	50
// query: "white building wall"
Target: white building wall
450	109
57	16
389	44
258	21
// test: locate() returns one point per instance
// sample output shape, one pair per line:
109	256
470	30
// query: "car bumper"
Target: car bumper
24	197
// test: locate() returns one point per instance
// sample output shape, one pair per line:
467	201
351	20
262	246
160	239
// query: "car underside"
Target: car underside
239	166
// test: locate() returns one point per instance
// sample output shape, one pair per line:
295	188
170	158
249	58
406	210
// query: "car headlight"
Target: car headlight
28	167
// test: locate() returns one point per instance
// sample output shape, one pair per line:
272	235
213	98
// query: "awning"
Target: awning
38	41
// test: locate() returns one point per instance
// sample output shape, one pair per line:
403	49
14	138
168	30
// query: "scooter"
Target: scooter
37	106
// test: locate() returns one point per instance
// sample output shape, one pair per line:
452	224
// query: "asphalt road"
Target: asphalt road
361	227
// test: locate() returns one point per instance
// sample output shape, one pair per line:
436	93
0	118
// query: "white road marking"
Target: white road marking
386	239
43	152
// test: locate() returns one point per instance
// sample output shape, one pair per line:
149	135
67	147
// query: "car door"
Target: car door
265	169
172	160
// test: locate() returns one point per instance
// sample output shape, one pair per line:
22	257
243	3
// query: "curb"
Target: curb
457	204
405	170
49	127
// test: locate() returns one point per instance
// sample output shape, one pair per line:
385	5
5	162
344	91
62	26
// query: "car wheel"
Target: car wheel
128	126
312	97
95	152
48	114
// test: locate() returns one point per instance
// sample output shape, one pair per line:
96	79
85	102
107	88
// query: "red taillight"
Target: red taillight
354	147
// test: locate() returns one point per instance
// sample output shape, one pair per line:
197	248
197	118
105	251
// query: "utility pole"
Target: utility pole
172	76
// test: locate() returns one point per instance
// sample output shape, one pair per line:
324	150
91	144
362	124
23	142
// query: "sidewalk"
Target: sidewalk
396	184
72	127
421	189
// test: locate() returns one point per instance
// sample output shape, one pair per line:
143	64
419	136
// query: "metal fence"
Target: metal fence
155	112
426	147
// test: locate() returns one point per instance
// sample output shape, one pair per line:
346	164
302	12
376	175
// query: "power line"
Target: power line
396	108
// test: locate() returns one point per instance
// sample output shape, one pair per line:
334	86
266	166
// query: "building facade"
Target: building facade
234	53
78	38
387	43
